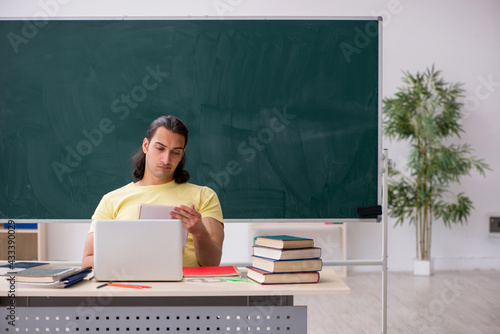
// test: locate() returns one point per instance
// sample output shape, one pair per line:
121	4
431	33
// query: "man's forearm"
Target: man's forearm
208	252
88	261
208	234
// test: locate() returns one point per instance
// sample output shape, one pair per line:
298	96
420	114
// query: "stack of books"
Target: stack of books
284	259
51	277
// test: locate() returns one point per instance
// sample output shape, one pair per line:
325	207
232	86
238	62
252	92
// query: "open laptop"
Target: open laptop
138	250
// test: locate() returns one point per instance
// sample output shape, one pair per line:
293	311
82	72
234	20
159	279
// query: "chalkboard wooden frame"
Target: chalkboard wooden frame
272	117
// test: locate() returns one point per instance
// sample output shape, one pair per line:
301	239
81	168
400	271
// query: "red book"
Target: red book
226	271
265	277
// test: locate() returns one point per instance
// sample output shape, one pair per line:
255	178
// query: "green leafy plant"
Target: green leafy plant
426	112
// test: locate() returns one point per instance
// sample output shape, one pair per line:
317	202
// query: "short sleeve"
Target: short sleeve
210	205
101	212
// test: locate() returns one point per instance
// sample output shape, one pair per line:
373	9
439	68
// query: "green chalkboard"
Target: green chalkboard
283	114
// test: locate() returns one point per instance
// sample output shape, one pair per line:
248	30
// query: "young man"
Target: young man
161	179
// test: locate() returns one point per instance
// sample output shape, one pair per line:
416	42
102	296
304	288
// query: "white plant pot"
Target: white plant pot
423	268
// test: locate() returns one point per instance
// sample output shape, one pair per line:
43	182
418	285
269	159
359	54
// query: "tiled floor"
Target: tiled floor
447	302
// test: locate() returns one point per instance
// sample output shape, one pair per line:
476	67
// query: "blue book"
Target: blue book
22	226
76	277
24	265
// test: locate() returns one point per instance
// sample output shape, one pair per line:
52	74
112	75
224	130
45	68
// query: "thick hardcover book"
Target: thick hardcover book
45	275
287	254
211	271
264	277
283	266
283	241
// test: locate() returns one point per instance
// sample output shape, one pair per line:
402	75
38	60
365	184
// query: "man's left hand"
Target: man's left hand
190	217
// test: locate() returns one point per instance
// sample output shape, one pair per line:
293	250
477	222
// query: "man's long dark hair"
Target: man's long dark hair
173	124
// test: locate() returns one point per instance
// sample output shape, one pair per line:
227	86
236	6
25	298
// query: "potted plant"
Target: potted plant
426	112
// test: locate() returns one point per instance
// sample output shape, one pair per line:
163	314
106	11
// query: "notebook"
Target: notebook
138	250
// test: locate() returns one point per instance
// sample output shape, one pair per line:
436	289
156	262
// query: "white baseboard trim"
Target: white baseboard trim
442	264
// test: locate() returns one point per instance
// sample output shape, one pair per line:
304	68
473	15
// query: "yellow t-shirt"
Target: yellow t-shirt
124	203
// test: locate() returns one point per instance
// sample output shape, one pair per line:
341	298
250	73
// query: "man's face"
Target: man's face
163	153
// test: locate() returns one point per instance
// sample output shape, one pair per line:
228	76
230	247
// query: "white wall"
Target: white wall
462	38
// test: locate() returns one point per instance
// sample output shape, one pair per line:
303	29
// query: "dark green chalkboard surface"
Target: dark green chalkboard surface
283	114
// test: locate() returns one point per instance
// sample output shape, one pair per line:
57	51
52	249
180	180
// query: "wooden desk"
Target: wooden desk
187	306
